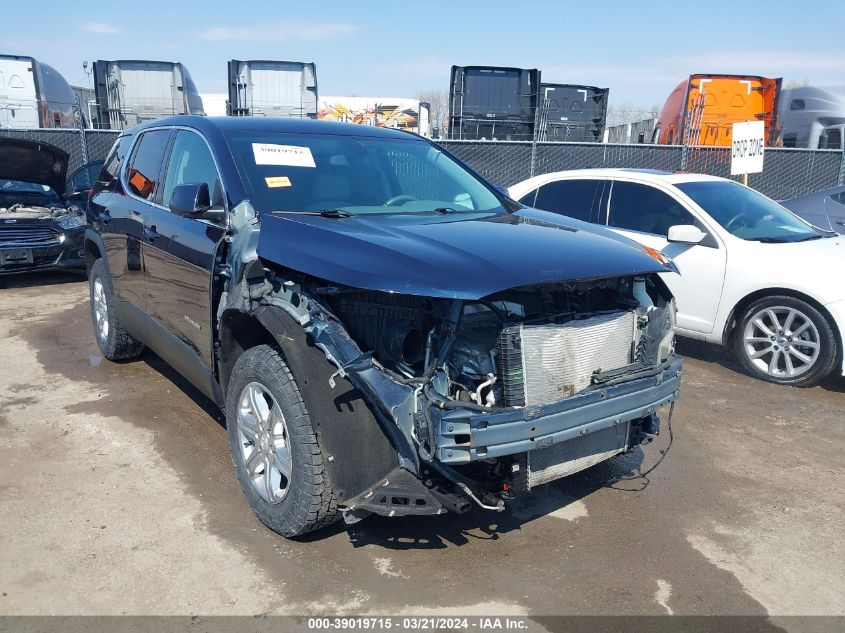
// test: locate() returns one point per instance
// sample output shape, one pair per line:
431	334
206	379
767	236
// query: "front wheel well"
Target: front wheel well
742	304
92	253
238	332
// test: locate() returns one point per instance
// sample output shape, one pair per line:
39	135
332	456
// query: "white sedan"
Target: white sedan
752	275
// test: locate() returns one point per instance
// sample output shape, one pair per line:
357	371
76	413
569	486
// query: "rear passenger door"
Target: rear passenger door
179	255
644	213
117	210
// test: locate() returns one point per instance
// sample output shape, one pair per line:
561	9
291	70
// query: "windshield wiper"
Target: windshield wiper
785	240
445	210
324	213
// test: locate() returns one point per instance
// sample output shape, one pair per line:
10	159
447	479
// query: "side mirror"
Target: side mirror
502	190
190	200
685	234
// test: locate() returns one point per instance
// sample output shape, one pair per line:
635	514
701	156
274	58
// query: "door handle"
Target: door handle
151	234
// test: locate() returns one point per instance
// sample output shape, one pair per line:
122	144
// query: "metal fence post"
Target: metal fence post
84	141
684	153
841	180
533	158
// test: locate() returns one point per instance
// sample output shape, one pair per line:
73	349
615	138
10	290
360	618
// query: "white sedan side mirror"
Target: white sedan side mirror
685	234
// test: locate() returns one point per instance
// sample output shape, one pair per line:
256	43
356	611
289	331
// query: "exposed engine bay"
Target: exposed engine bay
25	211
522	347
490	395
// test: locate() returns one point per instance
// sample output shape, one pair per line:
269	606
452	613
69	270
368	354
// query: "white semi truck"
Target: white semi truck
33	95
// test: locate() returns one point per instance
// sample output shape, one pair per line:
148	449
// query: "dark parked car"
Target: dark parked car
384	332
824	209
40	227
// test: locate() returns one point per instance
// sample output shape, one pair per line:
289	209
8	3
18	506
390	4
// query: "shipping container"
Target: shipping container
702	109
572	113
129	92
34	95
272	88
492	102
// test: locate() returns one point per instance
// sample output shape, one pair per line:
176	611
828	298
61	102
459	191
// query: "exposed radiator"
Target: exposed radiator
545	363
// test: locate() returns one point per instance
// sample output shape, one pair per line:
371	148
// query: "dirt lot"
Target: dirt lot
117	496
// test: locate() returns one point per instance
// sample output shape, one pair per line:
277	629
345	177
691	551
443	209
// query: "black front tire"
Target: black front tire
756	333
114	341
309	502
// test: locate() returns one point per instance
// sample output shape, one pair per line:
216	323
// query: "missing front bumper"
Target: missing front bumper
466	435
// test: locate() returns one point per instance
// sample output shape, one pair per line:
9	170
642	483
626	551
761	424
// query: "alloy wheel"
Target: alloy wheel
264	442
781	341
101	310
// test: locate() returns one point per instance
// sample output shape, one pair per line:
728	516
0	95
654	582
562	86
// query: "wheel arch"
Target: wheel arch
345	424
237	332
742	304
94	250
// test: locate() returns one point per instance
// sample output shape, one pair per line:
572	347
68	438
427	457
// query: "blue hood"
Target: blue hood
459	256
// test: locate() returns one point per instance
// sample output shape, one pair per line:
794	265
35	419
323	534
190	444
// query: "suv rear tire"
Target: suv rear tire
114	341
785	340
278	461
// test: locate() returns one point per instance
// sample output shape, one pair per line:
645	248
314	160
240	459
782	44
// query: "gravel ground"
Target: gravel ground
117	496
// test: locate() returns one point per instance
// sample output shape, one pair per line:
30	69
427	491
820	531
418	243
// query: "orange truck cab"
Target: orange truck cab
701	110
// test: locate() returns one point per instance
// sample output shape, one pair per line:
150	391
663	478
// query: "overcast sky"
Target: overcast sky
638	49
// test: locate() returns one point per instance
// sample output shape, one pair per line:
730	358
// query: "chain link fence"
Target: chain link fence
83	146
788	172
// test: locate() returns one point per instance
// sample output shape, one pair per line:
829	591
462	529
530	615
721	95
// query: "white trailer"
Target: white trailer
133	91
33	95
272	89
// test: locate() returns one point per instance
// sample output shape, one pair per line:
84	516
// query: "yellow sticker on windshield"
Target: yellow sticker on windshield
277	181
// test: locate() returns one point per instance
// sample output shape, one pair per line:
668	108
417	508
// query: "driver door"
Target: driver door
644	214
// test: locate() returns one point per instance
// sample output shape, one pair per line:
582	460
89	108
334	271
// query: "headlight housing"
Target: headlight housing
71	221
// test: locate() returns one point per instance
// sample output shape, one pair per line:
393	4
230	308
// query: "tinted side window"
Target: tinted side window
642	208
111	168
797	104
145	164
575	198
838	197
191	163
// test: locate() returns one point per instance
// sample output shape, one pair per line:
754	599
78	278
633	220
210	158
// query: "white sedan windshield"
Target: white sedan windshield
747	214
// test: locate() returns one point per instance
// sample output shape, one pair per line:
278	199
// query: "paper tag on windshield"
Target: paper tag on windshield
277	181
287	155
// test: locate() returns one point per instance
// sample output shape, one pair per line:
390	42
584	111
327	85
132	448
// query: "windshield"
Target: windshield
15	187
356	175
747	214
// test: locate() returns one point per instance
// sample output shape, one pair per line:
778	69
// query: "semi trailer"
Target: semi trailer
129	92
272	89
34	95
493	103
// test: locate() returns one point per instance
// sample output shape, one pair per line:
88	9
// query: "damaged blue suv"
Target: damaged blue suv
386	332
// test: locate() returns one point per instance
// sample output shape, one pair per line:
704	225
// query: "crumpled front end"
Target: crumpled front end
482	399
